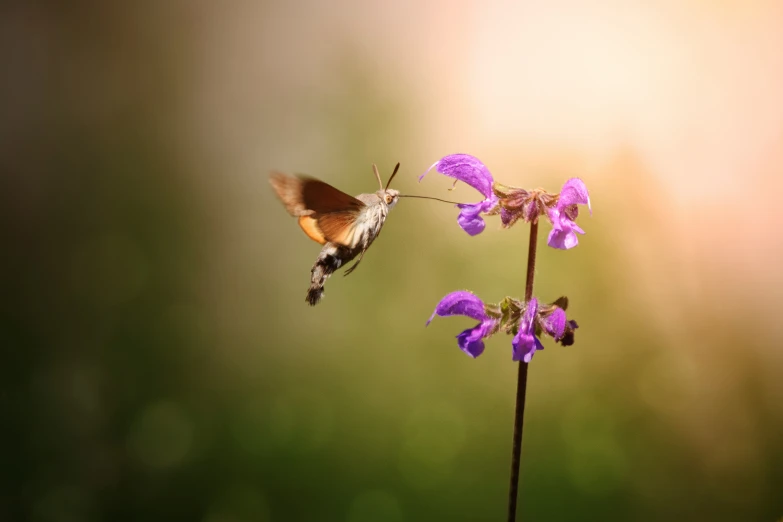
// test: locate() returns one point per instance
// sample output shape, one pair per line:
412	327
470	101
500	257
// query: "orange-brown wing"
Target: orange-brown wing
289	191
324	198
310	226
306	196
325	213
335	227
338	227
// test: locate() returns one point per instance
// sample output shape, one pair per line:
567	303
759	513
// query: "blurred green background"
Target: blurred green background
159	361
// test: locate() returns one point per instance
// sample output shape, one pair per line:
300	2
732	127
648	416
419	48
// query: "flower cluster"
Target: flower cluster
526	321
514	203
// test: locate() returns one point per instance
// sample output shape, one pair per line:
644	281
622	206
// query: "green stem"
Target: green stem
519	411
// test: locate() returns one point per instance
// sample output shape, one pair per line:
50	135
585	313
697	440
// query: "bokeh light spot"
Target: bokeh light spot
281	421
297	423
316	423
161	436
250	428
434	435
239	503
375	506
64	504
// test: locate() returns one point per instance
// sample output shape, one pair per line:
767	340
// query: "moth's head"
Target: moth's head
390	196
387	195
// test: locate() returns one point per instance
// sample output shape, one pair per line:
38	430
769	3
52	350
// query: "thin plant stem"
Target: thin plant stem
519	411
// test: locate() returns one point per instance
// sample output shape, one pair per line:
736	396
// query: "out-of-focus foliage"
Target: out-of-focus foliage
159	361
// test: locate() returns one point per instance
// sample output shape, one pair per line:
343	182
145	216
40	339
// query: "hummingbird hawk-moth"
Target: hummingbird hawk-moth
345	225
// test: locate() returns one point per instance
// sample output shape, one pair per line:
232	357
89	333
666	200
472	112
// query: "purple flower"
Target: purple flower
464	303
525	320
554	323
563	215
525	342
466	168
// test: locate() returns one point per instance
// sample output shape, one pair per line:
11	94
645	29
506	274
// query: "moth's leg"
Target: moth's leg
361	255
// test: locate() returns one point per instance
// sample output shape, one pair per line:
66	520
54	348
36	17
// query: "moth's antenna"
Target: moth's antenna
392	176
428	197
377	175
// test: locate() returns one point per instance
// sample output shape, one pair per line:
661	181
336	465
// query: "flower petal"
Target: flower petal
467	169
524	346
530	312
460	303
574	192
562	235
470	341
528	356
469	219
525	343
562	239
554	323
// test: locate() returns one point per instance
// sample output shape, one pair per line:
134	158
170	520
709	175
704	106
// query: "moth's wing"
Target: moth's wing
339	227
325	213
334	227
324	199
289	191
310	226
304	196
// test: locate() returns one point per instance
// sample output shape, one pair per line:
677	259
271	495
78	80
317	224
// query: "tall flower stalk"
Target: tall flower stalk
526	320
519	409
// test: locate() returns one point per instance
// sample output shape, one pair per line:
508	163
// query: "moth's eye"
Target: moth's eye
389	198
